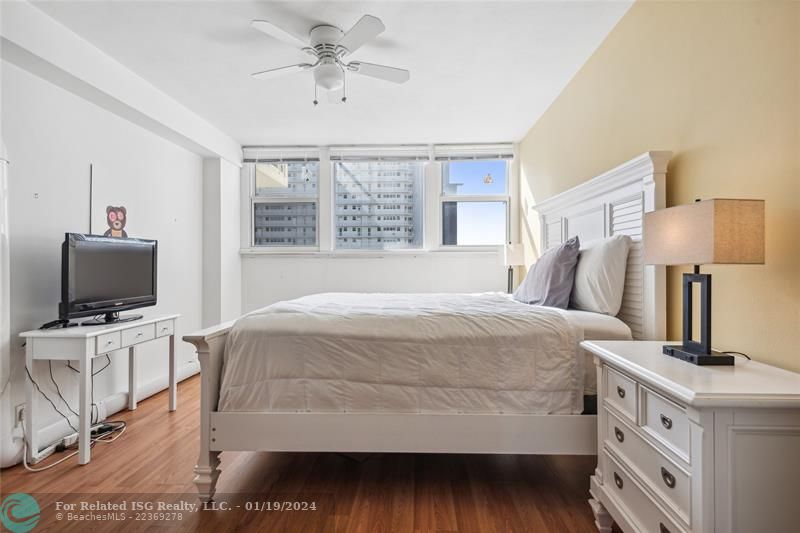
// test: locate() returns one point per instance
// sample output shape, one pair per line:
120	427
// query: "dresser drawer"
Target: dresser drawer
164	328
661	474
633	500
108	342
138	334
621	392
666	421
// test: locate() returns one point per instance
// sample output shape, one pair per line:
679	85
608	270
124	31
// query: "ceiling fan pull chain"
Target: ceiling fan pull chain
344	86
315	94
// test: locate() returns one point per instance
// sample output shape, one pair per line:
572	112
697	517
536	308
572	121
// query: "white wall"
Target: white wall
267	279
52	136
222	270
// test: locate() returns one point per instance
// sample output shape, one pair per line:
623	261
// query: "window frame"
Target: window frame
282	198
458	198
421	199
431	194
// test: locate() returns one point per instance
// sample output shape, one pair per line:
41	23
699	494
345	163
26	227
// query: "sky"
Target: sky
480	222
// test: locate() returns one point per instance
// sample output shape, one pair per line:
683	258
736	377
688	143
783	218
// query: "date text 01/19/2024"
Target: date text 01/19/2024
262	505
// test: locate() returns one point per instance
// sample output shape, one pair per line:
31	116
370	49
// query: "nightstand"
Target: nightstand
685	448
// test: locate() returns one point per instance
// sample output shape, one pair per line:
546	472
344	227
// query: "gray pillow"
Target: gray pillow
549	281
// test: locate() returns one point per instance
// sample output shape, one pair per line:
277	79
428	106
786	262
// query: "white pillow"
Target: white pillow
600	275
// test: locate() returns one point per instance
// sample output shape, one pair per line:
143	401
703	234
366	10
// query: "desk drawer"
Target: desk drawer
666	421
621	392
139	334
108	342
164	328
661	474
633	500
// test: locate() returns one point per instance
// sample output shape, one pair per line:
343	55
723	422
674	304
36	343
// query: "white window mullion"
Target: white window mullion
325	209
514	207
432	216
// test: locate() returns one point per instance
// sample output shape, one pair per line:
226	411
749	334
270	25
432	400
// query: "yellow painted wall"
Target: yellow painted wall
718	84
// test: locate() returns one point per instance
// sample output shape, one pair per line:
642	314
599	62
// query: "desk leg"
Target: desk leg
173	389
85	410
30	400
133	374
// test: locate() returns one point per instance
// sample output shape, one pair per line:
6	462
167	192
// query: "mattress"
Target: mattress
410	353
597	327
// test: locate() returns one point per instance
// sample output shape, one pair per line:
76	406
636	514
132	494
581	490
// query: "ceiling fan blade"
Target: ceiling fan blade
395	75
335	97
280	71
279	33
367	27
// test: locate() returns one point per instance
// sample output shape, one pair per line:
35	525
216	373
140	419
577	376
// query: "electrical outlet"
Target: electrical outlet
69	440
19	413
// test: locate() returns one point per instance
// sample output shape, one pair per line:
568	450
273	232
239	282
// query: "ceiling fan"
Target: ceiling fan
329	46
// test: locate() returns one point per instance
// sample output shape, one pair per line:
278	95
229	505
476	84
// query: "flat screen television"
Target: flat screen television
101	276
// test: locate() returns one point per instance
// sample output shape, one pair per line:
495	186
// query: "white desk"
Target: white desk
82	344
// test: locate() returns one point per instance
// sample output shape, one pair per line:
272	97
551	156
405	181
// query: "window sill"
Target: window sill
461	251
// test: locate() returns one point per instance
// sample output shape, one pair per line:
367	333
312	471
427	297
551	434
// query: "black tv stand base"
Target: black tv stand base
110	318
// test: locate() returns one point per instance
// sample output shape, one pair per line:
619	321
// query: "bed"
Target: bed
448	373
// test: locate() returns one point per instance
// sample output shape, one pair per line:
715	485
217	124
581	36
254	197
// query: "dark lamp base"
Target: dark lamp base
701	359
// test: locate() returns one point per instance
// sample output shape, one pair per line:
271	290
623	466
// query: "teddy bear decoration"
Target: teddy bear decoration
116	218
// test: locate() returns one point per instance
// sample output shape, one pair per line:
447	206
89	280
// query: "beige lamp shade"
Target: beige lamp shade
513	254
718	231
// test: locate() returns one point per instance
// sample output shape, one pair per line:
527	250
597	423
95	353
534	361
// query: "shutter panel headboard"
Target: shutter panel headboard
613	203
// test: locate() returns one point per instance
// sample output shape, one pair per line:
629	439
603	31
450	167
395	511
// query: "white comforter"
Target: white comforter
411	353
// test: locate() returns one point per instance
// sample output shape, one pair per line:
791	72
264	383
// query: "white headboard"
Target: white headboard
611	204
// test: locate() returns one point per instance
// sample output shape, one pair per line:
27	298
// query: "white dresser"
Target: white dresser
687	448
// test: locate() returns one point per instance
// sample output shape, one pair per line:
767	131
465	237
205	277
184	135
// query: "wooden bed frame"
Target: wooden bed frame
609	204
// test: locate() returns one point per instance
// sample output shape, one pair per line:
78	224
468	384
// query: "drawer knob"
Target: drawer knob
109	342
620	391
619	434
666	422
617	480
139	334
662	528
669	479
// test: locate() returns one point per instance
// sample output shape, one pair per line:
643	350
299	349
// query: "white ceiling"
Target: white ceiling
480	71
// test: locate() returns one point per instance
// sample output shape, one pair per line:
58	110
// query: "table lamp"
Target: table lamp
711	232
513	255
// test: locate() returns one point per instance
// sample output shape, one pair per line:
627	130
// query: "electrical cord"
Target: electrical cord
94	373
102	438
65	417
58	390
738	353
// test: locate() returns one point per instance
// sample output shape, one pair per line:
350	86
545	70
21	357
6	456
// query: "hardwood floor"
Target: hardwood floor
153	460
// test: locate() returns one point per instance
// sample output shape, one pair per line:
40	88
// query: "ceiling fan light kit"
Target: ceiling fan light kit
329	45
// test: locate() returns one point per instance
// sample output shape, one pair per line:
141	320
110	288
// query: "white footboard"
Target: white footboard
367	432
210	345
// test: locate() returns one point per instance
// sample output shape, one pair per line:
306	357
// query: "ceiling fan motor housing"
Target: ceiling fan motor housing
328	74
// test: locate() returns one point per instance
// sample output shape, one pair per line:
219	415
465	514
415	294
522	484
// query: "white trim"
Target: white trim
643	168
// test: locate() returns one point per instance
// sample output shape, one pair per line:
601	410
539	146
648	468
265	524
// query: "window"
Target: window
378	198
474	202
285	201
378	204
